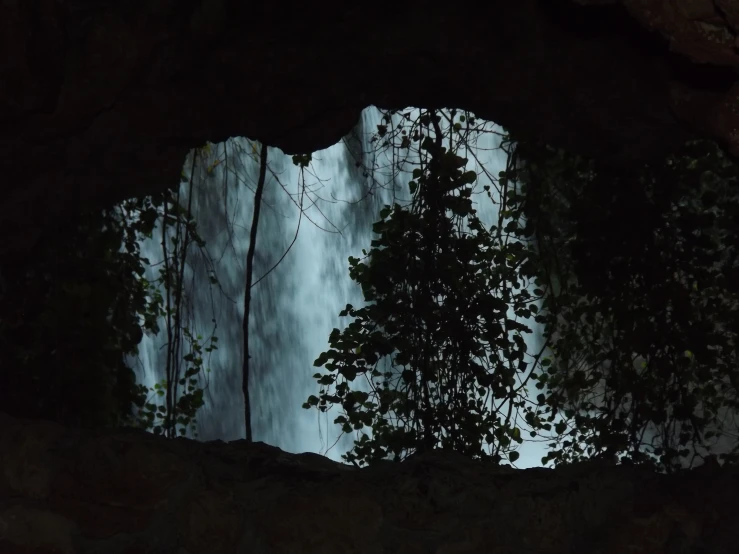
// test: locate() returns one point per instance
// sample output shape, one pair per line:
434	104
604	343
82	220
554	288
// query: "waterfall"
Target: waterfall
296	306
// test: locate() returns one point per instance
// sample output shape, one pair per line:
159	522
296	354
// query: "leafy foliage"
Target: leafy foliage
642	308
444	360
638	276
71	315
181	390
75	310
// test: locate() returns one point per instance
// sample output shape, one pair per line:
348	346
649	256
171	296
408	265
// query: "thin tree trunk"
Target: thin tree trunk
247	292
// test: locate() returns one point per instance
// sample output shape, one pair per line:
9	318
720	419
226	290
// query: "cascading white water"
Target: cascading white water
296	306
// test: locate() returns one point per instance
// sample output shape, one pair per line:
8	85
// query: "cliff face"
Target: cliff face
101	100
74	492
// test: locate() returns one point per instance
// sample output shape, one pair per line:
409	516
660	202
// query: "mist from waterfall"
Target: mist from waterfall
295	307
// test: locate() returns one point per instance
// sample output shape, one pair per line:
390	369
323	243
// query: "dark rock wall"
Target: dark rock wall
101	100
125	492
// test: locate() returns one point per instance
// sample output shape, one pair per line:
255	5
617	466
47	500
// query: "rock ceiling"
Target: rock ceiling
102	100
